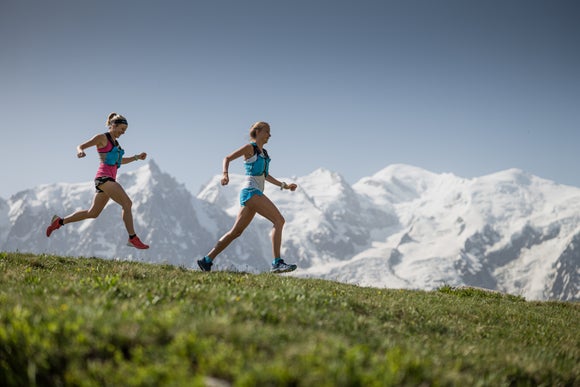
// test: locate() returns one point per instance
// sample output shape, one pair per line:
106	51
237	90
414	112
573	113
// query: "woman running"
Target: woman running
252	198
111	155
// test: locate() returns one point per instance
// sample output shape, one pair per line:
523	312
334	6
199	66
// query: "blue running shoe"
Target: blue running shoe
204	265
282	267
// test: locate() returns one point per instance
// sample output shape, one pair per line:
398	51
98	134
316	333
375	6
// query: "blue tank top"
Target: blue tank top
258	164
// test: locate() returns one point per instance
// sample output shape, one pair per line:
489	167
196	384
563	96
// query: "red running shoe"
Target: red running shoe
54	225
136	242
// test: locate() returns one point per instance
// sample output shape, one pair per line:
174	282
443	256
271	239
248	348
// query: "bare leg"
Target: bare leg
244	218
99	201
116	192
264	206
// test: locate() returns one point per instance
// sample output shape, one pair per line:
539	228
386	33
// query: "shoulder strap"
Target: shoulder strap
110	138
258	151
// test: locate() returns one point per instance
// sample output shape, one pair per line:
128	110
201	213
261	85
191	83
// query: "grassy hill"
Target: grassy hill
88	321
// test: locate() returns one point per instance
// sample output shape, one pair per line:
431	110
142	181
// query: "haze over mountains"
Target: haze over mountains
403	227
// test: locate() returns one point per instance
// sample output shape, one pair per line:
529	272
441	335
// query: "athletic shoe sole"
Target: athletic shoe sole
287	269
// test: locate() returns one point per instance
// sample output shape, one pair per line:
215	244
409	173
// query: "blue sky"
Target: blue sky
467	87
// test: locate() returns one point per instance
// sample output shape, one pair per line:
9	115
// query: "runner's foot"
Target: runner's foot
54	225
136	242
279	266
204	264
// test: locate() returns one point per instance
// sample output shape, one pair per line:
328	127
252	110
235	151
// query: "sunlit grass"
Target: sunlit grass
87	321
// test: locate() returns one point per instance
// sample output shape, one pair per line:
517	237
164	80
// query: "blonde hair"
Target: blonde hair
258	126
113	117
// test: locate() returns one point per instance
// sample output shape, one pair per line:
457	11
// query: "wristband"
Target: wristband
136	157
283	186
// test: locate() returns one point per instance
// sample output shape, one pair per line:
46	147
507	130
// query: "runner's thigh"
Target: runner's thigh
265	207
115	191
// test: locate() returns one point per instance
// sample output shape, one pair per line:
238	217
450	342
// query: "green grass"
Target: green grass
94	322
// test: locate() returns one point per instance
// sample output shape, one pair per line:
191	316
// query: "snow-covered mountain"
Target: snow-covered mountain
162	209
508	231
403	227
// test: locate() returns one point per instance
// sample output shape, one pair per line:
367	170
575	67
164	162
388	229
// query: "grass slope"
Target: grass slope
79	321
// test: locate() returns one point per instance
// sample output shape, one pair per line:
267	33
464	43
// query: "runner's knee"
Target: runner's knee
279	222
127	204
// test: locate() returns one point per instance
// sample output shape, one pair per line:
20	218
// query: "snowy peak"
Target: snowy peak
326	189
325	176
403	171
396	183
144	178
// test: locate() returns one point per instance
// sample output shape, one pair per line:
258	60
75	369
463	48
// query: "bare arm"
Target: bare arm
247	151
271	179
140	156
100	140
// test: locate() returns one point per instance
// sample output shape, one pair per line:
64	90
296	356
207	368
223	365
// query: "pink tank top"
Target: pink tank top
104	169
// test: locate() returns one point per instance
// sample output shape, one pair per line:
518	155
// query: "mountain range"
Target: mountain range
403	227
